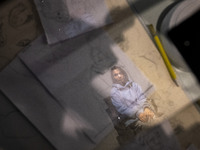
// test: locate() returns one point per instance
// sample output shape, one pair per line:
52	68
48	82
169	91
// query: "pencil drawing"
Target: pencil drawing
69	18
100	57
23	42
20	15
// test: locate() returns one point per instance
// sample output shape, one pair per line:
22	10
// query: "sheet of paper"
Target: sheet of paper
19	25
79	77
87	63
15	127
64	19
56	123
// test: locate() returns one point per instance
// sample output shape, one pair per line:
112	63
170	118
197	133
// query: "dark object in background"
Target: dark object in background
1	1
186	37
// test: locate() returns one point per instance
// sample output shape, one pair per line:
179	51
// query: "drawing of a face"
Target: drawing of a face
101	59
119	76
20	15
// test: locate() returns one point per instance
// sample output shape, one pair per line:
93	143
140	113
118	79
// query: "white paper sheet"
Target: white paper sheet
79	76
64	19
72	80
39	106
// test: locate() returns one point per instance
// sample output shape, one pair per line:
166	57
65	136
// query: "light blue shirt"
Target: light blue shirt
128	99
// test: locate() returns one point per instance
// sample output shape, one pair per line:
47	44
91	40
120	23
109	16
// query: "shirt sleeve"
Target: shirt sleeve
140	94
141	99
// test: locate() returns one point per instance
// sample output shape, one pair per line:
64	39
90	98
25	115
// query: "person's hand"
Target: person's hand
149	113
143	117
146	115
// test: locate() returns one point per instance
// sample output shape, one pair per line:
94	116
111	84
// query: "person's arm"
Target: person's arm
145	114
117	102
140	94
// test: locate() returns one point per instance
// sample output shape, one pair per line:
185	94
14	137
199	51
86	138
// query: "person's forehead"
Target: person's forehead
116	71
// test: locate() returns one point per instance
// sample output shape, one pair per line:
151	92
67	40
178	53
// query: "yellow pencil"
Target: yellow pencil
163	54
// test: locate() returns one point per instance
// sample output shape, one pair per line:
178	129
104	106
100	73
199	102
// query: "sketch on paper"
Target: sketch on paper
65	19
16	20
20	15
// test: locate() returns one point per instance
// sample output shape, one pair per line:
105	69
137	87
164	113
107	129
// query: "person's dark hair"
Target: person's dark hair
115	67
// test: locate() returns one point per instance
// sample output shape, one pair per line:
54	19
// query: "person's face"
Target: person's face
118	75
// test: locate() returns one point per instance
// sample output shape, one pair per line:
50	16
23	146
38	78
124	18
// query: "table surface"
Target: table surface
157	14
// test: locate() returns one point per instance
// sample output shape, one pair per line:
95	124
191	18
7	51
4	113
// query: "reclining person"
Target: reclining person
127	97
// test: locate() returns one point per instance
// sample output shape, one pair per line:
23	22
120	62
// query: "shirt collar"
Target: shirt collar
120	87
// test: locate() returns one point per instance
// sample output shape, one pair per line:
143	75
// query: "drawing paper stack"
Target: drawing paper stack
61	87
65	19
64	96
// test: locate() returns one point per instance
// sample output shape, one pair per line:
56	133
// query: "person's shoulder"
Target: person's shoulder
114	90
134	84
